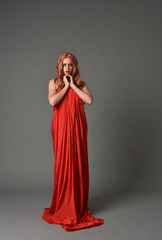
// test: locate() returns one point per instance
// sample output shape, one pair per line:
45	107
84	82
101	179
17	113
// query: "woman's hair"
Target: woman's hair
75	72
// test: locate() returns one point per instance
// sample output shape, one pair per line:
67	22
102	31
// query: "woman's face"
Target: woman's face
67	66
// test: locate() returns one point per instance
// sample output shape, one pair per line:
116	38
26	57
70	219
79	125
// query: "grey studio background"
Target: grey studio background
118	47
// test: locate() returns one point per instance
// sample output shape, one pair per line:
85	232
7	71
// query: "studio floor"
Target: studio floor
126	217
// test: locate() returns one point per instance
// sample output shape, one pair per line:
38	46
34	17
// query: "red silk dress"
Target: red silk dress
69	206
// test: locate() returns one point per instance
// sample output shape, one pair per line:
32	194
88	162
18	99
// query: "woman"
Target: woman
68	94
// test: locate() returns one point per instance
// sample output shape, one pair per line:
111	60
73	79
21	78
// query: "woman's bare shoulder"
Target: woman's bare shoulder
52	81
53	84
83	82
83	85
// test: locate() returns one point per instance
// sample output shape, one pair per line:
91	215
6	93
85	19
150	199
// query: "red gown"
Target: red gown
69	206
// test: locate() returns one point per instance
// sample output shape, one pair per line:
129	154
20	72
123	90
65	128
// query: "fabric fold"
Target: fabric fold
69	206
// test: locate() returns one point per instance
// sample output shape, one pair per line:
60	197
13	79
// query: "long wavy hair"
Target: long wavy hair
75	71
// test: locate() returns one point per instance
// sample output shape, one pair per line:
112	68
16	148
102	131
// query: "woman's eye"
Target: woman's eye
69	65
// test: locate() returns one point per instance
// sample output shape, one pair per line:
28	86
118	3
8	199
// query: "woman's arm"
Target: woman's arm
84	94
55	97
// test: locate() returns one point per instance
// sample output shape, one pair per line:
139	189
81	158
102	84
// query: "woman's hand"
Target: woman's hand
71	81
66	81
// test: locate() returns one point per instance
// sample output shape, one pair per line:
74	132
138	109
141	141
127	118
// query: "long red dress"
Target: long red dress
69	206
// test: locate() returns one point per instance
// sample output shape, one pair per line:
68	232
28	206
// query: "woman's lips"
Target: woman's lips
67	71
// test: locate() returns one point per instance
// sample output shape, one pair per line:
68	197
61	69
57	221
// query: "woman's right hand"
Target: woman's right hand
66	81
